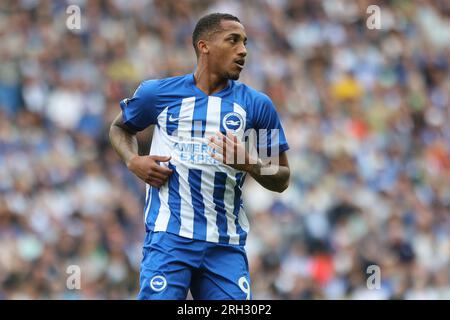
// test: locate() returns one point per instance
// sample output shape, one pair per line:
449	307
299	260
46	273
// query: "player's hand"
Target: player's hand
230	151
148	169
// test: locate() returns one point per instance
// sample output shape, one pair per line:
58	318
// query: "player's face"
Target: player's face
227	49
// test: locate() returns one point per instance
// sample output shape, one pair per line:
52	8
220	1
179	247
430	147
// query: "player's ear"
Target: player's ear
202	47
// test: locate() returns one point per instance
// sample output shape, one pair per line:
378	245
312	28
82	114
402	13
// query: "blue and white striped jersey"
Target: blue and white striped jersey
202	198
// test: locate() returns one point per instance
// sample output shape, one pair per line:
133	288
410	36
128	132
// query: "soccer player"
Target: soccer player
194	217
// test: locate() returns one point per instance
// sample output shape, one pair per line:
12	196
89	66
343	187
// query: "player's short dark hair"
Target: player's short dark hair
208	25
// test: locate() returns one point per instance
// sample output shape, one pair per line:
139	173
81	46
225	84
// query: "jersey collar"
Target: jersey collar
191	82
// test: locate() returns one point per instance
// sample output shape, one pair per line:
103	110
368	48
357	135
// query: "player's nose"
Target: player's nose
242	51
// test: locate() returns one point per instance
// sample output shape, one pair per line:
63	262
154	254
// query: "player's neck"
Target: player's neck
207	81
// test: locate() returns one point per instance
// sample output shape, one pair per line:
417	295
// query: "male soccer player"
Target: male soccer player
195	222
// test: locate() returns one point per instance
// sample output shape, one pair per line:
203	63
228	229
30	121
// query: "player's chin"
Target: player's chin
234	75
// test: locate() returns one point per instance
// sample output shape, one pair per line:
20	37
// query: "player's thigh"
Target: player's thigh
225	275
163	276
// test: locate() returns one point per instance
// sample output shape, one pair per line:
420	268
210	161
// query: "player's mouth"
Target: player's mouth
240	63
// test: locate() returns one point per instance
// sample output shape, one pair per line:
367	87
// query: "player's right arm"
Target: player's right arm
137	114
147	168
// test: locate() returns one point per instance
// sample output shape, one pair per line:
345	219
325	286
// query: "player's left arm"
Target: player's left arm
272	173
273	176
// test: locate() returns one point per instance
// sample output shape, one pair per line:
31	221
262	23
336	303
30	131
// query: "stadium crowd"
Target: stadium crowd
366	113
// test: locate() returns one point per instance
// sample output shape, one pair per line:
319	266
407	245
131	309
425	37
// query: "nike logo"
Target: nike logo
172	119
158	283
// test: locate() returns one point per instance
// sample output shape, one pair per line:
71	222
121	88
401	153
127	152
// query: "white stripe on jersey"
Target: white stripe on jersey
162	219
185	117
186	207
212	125
164	213
148	192
154	150
243	221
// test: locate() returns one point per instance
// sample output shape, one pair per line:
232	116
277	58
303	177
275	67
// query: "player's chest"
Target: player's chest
200	116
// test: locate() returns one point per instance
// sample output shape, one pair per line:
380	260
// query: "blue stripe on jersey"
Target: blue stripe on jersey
237	207
195	181
269	143
155	204
172	113
199	119
174	201
218	198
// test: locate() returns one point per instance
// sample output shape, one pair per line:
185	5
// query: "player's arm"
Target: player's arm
273	173
262	172
147	168
123	140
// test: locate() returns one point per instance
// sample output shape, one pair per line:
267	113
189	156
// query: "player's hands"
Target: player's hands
230	151
148	169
